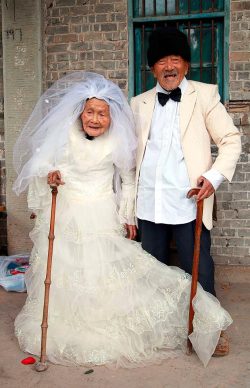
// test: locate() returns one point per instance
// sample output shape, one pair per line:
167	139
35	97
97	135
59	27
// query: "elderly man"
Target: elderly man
175	122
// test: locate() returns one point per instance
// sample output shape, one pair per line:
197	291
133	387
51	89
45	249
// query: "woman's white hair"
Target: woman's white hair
43	140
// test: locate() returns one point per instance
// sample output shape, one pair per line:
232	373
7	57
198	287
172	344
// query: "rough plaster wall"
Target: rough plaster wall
3	216
22	87
2	155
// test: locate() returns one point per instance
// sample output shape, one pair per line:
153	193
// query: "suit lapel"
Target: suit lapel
186	107
147	108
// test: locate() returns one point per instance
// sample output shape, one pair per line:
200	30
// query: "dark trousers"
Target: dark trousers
155	239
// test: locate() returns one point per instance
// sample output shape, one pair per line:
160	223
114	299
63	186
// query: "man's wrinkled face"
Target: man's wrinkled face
95	117
170	71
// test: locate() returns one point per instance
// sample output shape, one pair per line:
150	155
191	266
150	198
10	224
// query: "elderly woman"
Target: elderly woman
110	301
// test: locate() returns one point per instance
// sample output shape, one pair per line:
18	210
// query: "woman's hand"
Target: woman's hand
131	231
54	178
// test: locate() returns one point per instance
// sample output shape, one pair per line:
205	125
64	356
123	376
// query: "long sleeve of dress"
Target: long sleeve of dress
38	194
127	200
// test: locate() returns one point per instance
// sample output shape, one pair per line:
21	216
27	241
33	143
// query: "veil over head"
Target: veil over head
44	138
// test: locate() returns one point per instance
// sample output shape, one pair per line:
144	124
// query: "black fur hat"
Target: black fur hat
167	41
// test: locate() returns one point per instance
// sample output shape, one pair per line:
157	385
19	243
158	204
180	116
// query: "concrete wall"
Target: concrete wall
22	86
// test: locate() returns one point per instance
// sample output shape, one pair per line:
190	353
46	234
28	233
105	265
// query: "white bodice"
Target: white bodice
88	172
87	168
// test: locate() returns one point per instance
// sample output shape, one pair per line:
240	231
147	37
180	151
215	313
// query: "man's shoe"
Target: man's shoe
222	348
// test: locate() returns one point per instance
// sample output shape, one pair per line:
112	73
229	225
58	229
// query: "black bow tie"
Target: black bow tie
175	95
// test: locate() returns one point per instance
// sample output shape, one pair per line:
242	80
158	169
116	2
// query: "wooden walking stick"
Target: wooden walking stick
41	365
196	257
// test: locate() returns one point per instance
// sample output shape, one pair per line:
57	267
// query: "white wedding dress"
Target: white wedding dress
110	302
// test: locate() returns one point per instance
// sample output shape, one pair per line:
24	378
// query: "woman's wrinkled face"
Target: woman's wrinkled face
95	117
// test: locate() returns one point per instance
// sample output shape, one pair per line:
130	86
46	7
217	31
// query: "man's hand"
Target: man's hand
131	231
54	178
206	190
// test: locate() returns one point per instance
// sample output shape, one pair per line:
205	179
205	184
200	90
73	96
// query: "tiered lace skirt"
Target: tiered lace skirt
110	302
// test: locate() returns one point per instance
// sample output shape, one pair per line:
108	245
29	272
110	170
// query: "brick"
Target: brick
76	11
108	55
239	16
245	118
93	36
54	12
243	75
102	18
105	64
62	57
73	19
119	17
108	27
80	46
104	8
118	74
226	196
244	232
233	75
57	30
236	85
67	3
235	26
226	232
54	21
241	46
86	65
240	56
239	66
239	196
98	55
237	36
104	46
91	18
75	28
244	26
65	38
120	7
241	251
240	5
64	11
57	48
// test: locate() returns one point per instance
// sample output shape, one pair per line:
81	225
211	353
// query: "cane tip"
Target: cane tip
189	350
41	366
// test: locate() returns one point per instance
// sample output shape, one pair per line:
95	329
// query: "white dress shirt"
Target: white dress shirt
164	181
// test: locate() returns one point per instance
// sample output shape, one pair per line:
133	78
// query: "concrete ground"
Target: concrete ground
185	371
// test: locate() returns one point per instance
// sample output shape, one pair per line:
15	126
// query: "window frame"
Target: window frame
206	15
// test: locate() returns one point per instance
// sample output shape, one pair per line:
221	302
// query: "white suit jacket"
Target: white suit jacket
202	118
